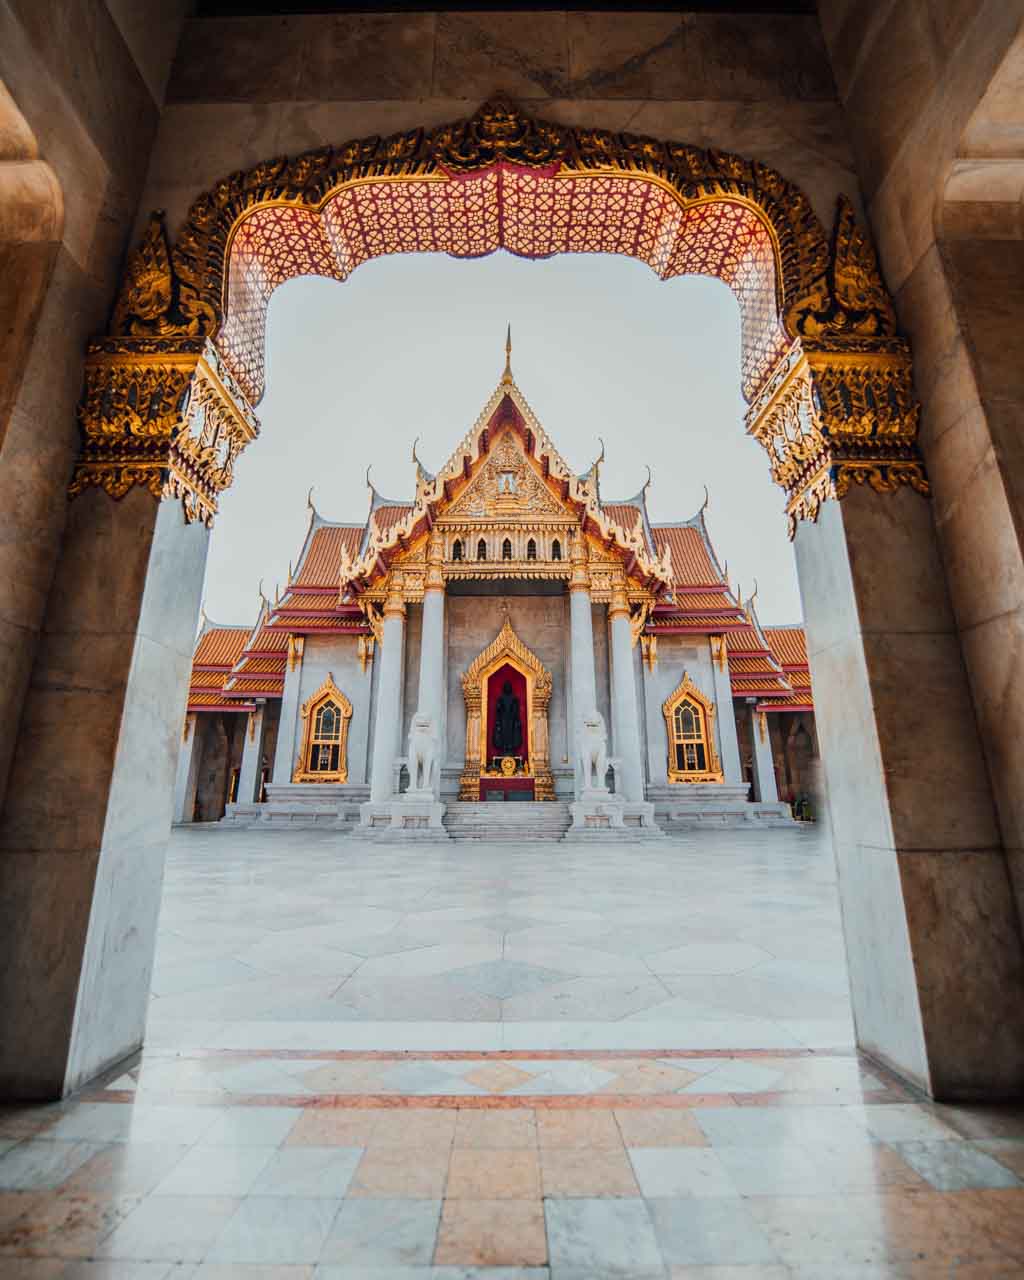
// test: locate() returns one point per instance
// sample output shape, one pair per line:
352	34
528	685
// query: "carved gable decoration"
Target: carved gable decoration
505	486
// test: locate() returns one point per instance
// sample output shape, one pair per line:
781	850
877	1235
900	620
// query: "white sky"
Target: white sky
414	345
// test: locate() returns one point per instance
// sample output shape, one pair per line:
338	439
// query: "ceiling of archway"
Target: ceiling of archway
530	213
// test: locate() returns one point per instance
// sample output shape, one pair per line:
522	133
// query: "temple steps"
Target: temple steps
510	821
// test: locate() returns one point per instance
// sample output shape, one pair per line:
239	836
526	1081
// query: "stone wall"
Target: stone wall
676	655
336	656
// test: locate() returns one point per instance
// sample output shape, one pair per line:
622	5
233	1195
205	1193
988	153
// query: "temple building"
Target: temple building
506	634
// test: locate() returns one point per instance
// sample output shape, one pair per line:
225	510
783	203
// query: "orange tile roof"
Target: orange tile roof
220	646
691	564
789	645
623	513
303	600
385	518
322	561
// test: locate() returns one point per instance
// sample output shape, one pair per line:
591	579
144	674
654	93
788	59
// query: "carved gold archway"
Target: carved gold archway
304	771
687	691
507	648
168	394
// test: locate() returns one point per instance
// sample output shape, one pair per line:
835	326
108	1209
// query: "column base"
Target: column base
413	816
599	815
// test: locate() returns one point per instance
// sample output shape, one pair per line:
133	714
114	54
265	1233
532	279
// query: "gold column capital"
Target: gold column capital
162	414
394	603
579	573
618	605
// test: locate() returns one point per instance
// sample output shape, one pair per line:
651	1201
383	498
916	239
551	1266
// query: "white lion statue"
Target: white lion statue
593	751
422	753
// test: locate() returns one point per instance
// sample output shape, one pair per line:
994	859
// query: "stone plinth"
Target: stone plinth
413	816
311	804
599	814
715	804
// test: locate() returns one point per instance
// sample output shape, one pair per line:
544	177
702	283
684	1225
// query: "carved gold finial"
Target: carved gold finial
506	377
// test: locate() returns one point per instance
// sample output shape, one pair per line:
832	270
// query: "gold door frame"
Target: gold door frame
507	648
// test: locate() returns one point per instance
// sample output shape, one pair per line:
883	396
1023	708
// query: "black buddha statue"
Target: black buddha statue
508	725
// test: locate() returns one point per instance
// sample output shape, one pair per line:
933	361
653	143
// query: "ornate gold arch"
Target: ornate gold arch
686	689
830	396
507	648
328	691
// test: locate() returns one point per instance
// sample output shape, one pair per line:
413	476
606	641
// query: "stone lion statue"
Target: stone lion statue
593	751
422	753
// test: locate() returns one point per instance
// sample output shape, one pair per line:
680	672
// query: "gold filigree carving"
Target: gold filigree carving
701	742
364	649
649	650
718	652
162	415
835	418
296	648
150	301
507	647
316	739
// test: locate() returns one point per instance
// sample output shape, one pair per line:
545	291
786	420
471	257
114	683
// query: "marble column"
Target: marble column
933	940
728	742
287	750
252	756
81	862
387	729
764	766
431	688
187	775
629	776
581	640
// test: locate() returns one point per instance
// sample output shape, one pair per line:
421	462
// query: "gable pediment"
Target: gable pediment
506	488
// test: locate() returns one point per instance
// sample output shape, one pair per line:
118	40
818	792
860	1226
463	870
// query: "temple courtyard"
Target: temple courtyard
522	1062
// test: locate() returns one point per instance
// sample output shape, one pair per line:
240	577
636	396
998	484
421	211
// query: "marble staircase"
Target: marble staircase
510	822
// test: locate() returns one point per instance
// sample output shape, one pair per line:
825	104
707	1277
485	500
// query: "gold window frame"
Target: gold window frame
687	691
328	692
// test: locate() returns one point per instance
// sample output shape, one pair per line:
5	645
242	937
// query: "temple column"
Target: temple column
287	748
389	697
431	690
764	766
252	756
728	743
624	709
581	640
187	775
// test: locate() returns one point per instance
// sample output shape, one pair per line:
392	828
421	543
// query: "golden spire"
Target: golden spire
506	377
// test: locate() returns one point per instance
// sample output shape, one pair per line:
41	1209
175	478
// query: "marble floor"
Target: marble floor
504	1064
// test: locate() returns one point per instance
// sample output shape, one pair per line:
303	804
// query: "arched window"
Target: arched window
325	718
506	550
531	550
556	550
481	550
689	723
457	549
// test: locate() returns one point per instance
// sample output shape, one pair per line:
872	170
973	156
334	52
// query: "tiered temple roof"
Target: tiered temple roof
676	563
217	650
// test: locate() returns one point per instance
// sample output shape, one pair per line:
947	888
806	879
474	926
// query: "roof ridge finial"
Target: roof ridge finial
309	499
506	377
753	594
704	504
264	602
647	483
203	619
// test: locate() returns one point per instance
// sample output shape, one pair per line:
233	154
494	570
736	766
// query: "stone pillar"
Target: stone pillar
764	769
187	775
287	749
725	718
431	696
389	698
933	941
581	641
624	699
252	756
82	859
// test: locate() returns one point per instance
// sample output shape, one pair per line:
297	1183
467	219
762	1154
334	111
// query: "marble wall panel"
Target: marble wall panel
676	655
542	623
336	656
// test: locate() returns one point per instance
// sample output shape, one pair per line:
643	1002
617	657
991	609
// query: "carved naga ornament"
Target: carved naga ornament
162	410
